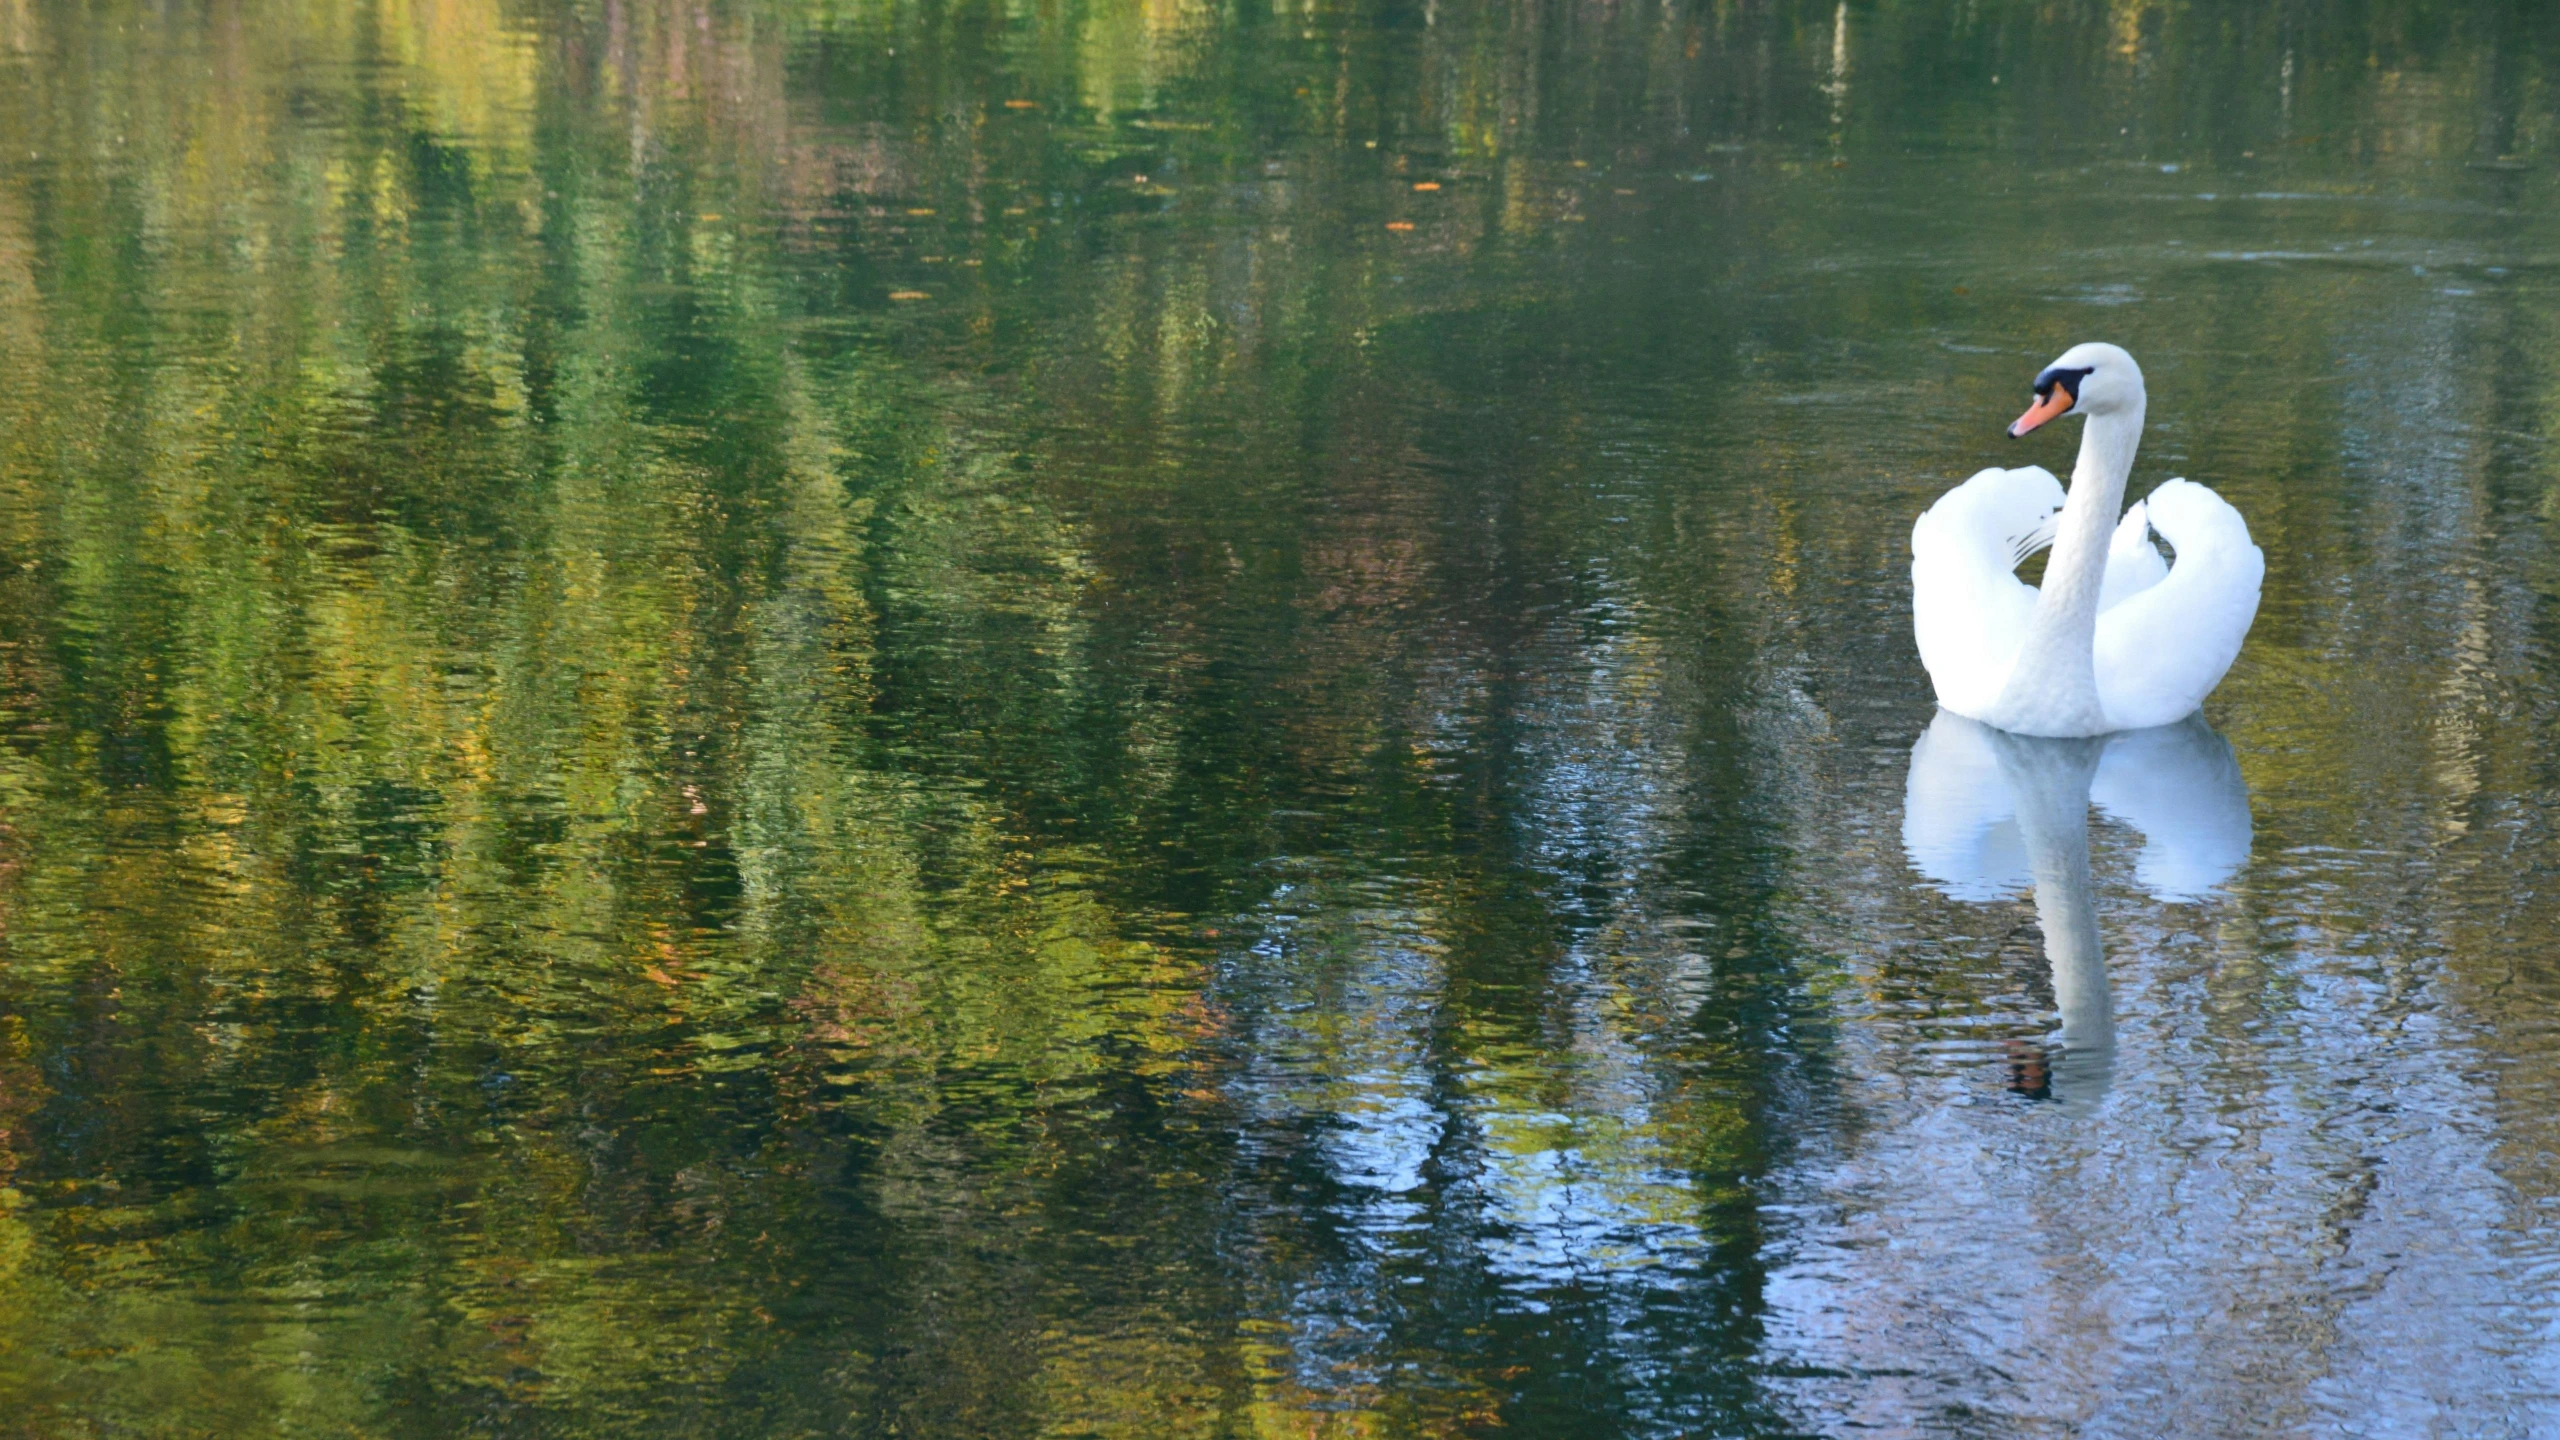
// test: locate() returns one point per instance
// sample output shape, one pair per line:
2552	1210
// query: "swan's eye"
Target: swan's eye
2069	380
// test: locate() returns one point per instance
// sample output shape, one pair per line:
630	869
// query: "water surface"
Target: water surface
1161	719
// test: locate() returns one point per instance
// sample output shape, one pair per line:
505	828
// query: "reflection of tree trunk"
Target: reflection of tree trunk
2050	781
2501	88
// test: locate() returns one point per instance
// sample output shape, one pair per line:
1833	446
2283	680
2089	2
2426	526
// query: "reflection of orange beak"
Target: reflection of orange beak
2056	401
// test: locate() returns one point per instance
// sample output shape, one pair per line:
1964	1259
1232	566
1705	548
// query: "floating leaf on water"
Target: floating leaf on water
1022	104
927	210
1399	224
909	295
1426	184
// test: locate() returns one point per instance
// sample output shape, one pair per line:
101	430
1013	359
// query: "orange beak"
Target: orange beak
2055	402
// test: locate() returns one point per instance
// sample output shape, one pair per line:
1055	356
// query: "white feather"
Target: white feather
2160	652
1969	609
2133	562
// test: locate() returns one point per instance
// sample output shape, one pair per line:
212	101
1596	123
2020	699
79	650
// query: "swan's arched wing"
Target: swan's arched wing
2159	653
1959	823
2180	787
1969	610
2133	562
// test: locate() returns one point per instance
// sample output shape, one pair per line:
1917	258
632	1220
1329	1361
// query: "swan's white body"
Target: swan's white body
2117	639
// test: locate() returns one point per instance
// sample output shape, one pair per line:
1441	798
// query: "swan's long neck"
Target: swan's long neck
2053	688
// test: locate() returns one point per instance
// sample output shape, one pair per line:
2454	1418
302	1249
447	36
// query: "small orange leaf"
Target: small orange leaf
1022	104
1426	184
908	295
1399	224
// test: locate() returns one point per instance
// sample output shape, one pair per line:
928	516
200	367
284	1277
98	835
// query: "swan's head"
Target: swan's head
2092	379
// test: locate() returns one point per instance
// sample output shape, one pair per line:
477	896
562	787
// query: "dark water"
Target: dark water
944	720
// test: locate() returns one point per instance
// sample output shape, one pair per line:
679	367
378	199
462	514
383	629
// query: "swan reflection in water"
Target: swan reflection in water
1987	814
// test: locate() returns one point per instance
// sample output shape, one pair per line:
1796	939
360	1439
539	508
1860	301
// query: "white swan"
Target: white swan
2117	639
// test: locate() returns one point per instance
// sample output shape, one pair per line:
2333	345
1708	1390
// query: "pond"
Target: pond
1154	719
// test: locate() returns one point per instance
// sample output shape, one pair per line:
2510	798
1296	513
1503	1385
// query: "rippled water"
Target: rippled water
1172	720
